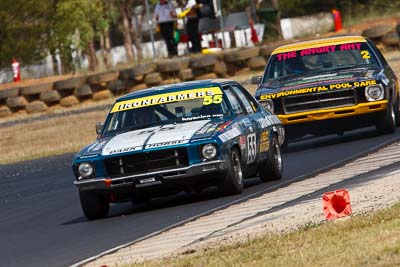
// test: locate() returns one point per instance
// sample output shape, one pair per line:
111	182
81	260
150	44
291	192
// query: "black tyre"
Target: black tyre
94	205
285	144
273	168
386	123
232	182
397	112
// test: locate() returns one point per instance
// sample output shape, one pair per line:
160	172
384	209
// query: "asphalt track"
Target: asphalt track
41	223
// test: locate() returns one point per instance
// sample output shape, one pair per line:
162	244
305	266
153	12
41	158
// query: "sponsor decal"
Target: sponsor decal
208	128
242	142
230	134
147	182
223	126
202	117
264	122
274	119
316	89
264	144
322	50
96	146
168	143
249	109
123	150
246	122
212	95
251	148
88	156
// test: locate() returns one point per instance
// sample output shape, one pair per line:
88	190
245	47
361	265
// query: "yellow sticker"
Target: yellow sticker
264	144
365	54
152	100
212	99
264	136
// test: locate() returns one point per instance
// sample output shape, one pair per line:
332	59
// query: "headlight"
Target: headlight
209	151
85	169
268	104
374	92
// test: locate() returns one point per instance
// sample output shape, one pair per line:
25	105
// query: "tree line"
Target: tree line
32	29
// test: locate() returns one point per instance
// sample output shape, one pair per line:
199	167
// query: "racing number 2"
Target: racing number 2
365	54
212	99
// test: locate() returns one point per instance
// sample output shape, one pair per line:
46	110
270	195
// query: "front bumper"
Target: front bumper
165	176
334	113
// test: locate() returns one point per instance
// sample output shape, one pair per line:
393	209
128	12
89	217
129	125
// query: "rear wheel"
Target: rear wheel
273	168
94	205
386	123
232	182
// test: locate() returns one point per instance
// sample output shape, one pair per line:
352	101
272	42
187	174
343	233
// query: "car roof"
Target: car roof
174	87
319	43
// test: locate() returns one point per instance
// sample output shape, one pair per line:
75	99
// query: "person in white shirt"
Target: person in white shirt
192	25
165	16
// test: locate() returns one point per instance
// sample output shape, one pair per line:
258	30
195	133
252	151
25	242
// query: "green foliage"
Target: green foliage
23	24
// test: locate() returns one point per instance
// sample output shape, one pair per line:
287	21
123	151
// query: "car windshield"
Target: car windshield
311	61
165	108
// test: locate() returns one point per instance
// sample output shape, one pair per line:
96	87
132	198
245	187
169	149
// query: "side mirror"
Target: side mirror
99	127
256	79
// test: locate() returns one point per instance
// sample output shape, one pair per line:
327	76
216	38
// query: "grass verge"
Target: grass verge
366	240
49	137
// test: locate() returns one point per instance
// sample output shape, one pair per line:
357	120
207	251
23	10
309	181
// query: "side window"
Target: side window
248	102
236	107
378	53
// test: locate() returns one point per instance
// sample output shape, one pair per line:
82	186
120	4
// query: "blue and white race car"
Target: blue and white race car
179	137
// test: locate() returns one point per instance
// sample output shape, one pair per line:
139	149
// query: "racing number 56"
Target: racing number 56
212	99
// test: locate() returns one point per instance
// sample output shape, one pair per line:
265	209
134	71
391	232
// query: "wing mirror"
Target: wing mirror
256	79
99	127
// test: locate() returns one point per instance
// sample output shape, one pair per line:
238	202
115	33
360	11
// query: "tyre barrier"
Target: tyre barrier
71	91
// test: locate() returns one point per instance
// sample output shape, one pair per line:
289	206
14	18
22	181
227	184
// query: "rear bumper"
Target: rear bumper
161	177
334	113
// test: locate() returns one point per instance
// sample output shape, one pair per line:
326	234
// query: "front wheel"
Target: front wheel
94	205
397	112
273	168
386	123
232	182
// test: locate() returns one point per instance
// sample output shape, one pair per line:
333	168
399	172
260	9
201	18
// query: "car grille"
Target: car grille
330	99
146	162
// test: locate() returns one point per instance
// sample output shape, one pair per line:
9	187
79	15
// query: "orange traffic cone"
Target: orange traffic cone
336	204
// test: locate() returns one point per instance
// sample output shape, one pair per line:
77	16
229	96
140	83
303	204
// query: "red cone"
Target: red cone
336	204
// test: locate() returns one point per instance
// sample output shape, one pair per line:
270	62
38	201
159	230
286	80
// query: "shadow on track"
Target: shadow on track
179	199
310	141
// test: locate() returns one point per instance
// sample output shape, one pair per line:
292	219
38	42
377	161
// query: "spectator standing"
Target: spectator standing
192	25
165	16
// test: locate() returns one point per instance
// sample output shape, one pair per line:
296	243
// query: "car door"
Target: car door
263	120
248	122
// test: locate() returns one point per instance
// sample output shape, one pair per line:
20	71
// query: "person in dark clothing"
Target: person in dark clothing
165	16
192	25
